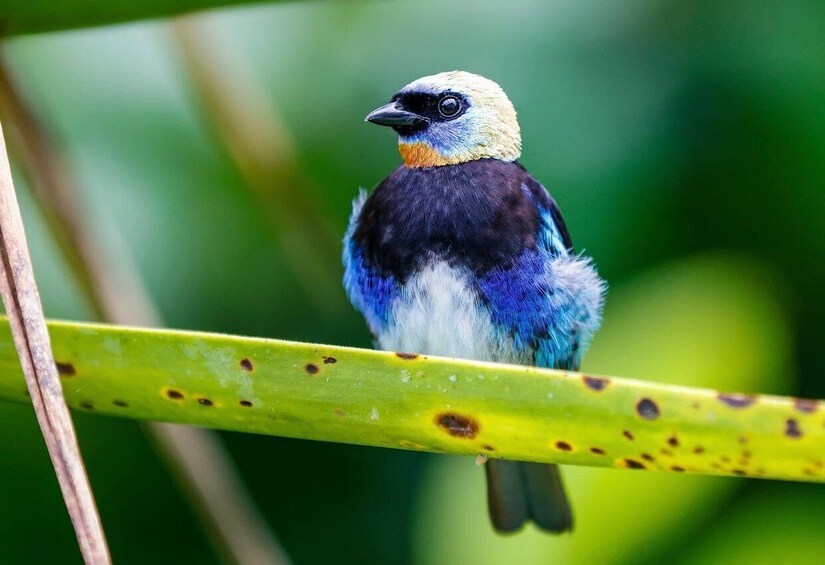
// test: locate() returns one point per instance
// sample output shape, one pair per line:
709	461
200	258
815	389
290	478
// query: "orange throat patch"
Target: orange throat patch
419	154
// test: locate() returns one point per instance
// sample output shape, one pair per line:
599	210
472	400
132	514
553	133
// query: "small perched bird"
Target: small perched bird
460	252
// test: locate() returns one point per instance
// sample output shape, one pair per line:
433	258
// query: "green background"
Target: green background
684	141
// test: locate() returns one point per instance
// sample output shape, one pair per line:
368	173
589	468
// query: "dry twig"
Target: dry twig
22	302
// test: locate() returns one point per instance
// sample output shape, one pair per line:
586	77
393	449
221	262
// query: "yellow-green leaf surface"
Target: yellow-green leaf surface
414	402
32	16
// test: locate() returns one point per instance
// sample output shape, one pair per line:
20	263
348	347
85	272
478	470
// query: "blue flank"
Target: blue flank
370	293
529	302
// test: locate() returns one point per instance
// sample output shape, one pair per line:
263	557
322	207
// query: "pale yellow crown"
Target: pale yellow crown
487	130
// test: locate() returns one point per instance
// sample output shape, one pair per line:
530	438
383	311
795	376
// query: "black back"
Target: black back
481	214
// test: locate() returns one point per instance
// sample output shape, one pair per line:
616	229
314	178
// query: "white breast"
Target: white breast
438	313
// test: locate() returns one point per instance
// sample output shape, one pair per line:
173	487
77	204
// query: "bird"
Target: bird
461	253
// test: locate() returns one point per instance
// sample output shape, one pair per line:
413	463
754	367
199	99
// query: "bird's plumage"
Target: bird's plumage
468	256
491	234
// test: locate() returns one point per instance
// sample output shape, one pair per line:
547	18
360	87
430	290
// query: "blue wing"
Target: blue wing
548	299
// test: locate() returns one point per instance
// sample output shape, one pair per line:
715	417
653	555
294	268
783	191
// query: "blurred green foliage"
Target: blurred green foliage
33	16
668	131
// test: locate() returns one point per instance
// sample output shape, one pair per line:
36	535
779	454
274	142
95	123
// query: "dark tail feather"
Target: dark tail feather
506	498
546	498
518	492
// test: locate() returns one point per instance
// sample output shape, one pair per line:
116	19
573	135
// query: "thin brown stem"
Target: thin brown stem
110	283
31	338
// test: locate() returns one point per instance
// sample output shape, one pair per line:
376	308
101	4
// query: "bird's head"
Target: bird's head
451	118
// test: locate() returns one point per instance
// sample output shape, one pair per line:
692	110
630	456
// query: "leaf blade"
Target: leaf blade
36	16
348	395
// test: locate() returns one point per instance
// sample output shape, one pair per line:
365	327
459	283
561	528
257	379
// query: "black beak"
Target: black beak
391	115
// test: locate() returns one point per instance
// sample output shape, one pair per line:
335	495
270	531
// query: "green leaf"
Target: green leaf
32	16
414	402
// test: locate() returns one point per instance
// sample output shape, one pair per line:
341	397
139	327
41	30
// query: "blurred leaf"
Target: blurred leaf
784	525
31	16
415	402
706	322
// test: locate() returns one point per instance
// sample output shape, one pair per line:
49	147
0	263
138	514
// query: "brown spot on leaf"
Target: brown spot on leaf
246	364
65	369
742	440
564	446
174	394
205	402
87	405
673	441
739	472
746	454
595	383
792	429
677	469
340	412
647	409
737	400
725	459
246	403
805	405
329	360
667	452
311	368
648	457
457	425
489	447
633	464
597	451
120	403
628	434
407	356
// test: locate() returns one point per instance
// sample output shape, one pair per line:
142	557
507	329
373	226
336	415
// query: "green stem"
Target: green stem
383	399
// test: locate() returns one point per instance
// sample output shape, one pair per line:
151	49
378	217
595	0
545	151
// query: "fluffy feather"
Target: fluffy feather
438	312
513	298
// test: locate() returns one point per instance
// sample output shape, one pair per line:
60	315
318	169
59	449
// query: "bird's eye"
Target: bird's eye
449	106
